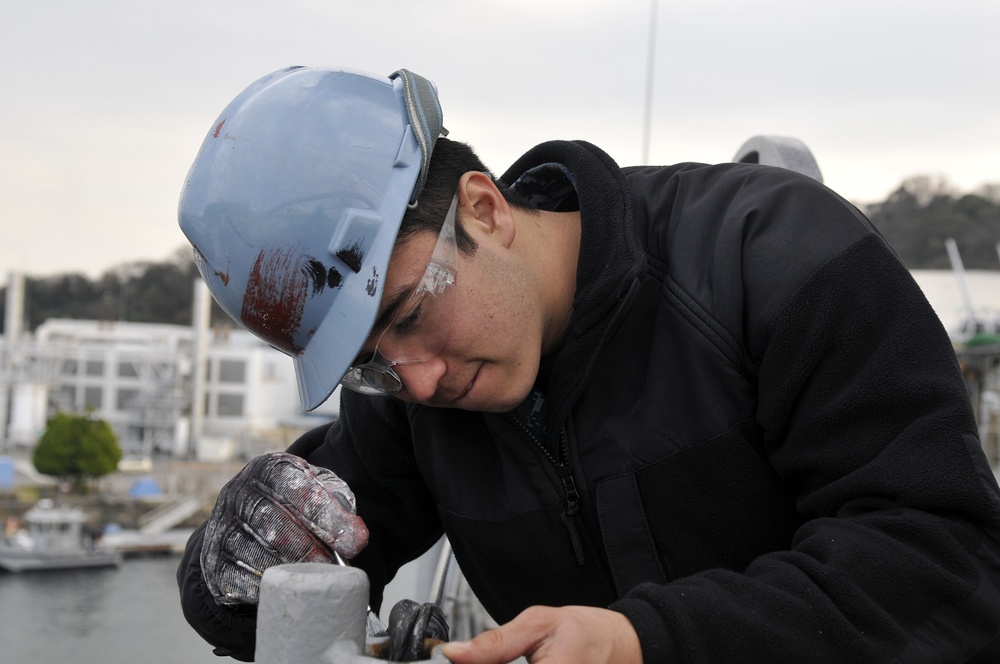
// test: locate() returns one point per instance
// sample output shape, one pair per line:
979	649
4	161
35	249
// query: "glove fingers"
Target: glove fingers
335	486
232	564
350	538
307	485
278	509
319	501
341	528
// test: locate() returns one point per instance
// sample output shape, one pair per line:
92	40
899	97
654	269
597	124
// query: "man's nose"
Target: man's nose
420	379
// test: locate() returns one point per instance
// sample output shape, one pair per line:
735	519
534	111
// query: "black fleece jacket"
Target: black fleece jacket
758	447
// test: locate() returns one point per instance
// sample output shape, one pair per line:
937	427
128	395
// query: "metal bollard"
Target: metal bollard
314	613
783	151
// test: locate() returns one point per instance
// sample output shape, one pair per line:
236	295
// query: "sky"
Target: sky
103	104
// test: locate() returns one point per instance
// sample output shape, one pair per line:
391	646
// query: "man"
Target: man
664	414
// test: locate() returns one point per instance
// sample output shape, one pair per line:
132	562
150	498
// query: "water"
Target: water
128	615
106	616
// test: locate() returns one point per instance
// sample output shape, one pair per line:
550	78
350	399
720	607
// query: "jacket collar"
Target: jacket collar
569	175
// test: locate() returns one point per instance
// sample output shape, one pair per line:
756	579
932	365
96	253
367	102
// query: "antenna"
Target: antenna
650	67
959	270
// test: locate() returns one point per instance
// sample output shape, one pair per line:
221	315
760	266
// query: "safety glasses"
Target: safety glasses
420	321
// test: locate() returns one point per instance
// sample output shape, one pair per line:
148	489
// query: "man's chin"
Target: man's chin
500	404
506	404
475	407
478	399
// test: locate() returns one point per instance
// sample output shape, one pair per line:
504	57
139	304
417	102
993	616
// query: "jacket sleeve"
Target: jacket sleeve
865	416
231	630
371	448
390	496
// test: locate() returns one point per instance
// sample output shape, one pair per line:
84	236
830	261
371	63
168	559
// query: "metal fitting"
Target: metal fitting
316	613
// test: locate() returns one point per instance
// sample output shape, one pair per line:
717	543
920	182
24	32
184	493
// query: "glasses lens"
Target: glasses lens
423	323
373	378
420	327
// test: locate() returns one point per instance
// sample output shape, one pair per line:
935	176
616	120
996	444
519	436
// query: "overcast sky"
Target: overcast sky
103	104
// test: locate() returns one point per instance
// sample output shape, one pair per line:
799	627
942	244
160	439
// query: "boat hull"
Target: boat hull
23	560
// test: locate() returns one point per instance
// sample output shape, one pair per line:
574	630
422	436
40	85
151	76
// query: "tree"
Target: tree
139	292
918	218
77	448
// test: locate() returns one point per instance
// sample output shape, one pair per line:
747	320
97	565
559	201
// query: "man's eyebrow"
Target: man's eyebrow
396	300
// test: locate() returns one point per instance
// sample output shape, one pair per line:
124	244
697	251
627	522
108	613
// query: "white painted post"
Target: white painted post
316	613
309	611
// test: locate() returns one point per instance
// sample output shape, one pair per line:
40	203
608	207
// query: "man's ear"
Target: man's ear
483	208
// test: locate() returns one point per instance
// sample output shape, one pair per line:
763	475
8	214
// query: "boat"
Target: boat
54	539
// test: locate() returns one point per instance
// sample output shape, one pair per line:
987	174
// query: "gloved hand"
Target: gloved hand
278	509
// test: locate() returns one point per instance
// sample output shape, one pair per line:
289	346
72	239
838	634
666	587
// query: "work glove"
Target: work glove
278	509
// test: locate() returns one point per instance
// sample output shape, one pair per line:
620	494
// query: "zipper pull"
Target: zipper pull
569	515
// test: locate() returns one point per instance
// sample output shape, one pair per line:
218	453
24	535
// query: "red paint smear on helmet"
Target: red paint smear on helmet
275	298
218	130
224	276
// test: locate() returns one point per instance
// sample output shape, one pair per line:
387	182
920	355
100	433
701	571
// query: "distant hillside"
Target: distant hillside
923	212
143	292
916	219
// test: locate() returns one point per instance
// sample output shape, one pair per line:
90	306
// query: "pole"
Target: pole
959	269
650	77
199	321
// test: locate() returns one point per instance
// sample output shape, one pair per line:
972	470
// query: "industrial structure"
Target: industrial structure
146	380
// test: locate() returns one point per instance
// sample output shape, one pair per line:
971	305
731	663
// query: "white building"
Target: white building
960	296
141	378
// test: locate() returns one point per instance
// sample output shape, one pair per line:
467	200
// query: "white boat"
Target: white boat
54	539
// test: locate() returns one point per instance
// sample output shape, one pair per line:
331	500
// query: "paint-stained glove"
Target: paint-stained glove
278	509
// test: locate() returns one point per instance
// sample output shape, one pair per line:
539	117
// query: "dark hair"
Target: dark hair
449	161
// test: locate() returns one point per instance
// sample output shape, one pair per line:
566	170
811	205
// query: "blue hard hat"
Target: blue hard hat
294	201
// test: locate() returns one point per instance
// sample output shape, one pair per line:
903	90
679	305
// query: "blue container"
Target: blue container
6	473
145	488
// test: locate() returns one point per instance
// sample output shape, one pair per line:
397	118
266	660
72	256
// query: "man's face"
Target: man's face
491	353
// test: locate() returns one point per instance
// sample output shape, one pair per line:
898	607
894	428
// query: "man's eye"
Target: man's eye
408	322
362	358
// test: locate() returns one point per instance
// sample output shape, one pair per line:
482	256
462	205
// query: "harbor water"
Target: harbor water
125	615
128	615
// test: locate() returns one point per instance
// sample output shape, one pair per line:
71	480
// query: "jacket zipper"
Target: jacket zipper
572	504
569	514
